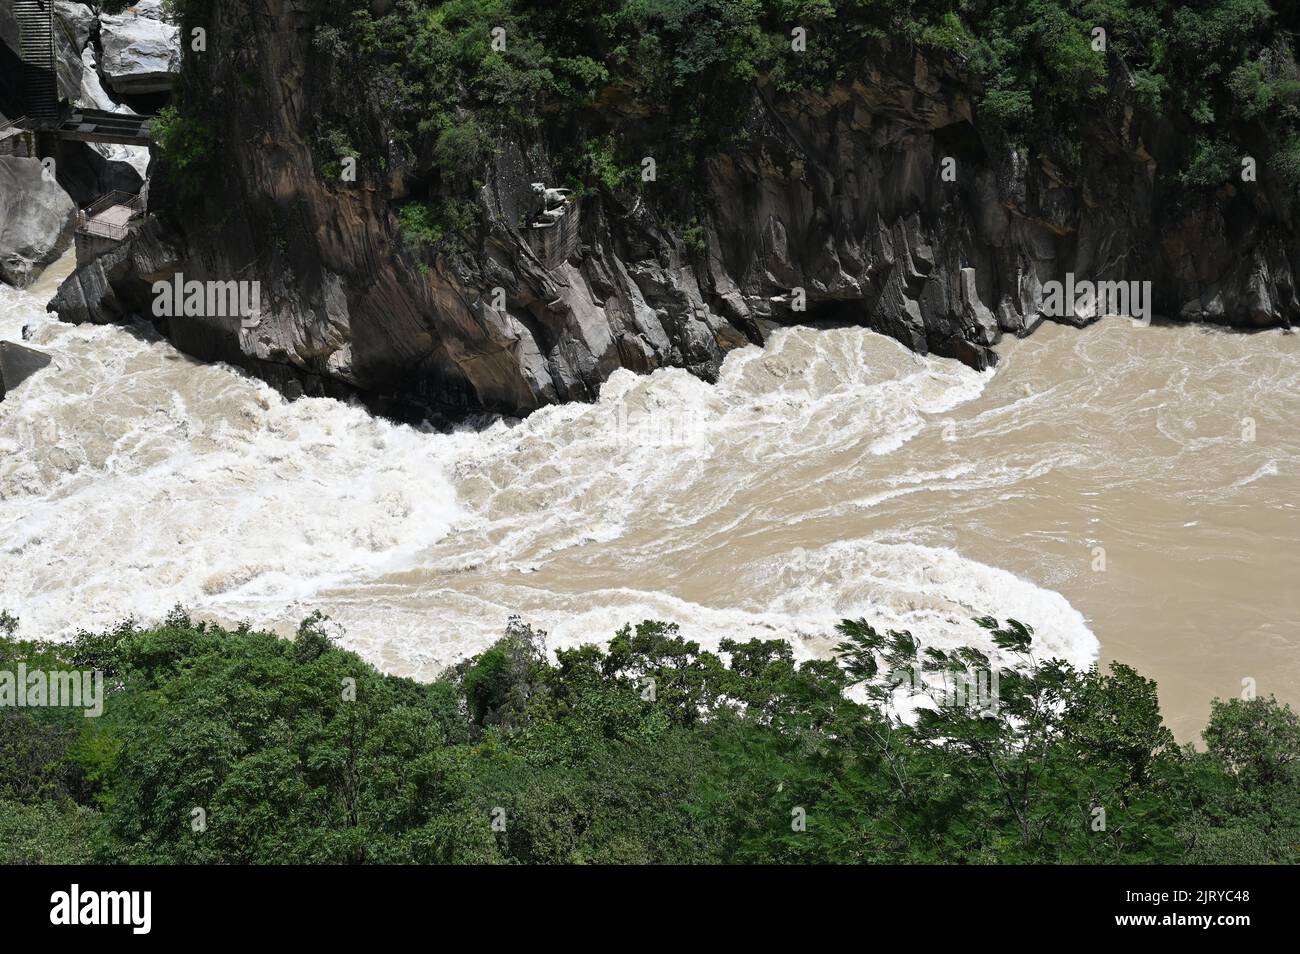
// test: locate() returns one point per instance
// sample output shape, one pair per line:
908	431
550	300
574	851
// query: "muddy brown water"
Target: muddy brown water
1128	491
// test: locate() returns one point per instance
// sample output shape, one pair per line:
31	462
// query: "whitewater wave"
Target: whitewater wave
829	474
134	479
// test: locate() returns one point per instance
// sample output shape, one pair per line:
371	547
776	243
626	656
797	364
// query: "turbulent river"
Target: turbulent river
1128	491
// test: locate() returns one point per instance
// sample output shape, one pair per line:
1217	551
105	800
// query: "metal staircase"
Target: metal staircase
40	84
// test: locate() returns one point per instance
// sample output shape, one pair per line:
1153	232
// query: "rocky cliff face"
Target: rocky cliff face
38	202
839	193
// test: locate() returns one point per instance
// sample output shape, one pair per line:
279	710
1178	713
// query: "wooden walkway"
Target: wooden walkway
98	125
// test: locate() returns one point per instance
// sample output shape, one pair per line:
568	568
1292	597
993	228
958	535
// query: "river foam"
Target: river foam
134	479
829	474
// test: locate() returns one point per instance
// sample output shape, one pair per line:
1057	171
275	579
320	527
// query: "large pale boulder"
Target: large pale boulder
94	96
68	66
36	220
141	54
76	20
153	9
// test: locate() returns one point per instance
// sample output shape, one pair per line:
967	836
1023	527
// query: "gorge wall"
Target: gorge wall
121	62
837	191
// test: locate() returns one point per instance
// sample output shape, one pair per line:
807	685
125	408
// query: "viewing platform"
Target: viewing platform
107	221
112	216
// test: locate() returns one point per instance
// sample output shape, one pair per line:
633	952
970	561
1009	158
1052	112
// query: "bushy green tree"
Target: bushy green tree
236	746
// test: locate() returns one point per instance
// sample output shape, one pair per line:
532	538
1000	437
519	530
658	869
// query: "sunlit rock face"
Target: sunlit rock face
36	220
77	20
141	52
880	201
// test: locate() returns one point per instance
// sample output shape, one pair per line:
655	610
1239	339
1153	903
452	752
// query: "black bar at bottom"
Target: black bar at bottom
970	905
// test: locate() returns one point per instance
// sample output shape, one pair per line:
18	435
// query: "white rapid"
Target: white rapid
829	474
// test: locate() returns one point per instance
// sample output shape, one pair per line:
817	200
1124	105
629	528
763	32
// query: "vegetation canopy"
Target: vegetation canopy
448	71
237	746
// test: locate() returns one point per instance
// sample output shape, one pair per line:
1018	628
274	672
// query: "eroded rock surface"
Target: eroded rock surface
837	201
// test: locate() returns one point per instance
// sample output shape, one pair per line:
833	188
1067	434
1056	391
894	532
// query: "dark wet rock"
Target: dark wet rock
118	283
17	364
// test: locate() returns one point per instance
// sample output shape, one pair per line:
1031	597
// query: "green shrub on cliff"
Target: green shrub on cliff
331	147
680	72
188	146
428	223
1211	163
1287	161
604	165
1265	86
238	746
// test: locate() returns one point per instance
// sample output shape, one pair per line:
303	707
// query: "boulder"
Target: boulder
118	282
68	71
68	66
141	54
130	164
17	364
76	20
153	9
36	220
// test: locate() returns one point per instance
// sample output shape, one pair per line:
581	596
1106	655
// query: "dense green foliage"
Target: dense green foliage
428	223
684	65
238	746
189	145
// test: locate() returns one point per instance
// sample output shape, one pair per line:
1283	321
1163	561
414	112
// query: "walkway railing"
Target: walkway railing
15	138
111	216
